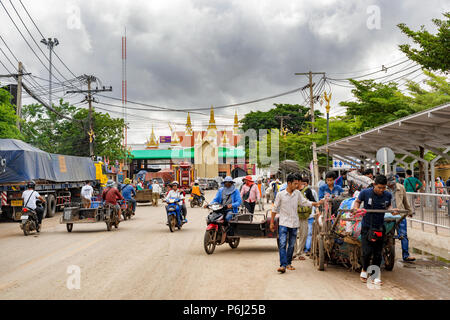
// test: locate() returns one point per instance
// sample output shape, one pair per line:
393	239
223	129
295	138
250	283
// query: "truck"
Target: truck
58	178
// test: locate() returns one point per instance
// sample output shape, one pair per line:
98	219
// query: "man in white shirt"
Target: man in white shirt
86	194
156	191
286	205
29	197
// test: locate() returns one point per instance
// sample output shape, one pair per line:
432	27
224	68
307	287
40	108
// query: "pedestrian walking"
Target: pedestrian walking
250	194
156	192
400	201
262	195
86	194
286	205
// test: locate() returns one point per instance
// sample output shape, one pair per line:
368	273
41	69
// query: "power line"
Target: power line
371	73
365	70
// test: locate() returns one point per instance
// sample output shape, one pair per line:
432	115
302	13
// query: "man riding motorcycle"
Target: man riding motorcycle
129	193
110	195
228	196
30	197
178	194
197	192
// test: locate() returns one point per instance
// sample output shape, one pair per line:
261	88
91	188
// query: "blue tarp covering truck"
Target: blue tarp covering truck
58	178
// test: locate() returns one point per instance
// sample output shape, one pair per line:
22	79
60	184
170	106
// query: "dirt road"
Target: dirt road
143	260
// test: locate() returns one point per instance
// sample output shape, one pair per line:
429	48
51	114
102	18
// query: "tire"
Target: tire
51	206
389	257
69	227
192	204
108	225
171	221
45	205
321	261
125	216
234	243
26	228
116	224
208	244
201	204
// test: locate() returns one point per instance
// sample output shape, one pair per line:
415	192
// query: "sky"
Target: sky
185	54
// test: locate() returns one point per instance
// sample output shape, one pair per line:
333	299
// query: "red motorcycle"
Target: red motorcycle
217	229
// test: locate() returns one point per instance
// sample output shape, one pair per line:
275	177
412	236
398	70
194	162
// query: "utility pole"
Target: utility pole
315	173
50	45
89	99
19	95
284	134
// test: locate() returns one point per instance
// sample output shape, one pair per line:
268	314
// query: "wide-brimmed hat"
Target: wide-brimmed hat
110	183
127	181
248	178
228	179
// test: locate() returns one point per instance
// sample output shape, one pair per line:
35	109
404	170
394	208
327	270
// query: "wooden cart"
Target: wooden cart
74	214
143	196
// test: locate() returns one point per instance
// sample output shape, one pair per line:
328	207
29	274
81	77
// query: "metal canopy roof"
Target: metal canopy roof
429	129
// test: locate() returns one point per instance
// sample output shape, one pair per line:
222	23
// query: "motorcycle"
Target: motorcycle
217	229
29	220
174	215
127	209
197	200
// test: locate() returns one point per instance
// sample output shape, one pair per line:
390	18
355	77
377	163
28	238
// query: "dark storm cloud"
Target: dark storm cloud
200	52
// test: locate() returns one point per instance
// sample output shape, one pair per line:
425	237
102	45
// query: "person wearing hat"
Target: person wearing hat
228	196
400	201
110	195
197	192
250	194
177	194
156	191
129	193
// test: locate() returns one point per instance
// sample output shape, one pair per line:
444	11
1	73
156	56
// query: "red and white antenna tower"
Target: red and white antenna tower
124	87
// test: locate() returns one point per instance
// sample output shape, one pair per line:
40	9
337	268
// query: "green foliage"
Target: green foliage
434	49
377	103
45	130
8	118
267	120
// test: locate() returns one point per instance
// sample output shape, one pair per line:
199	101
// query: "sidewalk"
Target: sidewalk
428	241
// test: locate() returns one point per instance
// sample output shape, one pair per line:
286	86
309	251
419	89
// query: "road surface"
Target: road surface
143	260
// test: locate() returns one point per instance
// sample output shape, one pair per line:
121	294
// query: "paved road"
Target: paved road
143	260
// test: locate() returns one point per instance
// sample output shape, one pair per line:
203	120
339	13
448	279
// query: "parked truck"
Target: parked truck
58	178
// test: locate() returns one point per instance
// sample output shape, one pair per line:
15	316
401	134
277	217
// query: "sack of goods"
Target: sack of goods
351	227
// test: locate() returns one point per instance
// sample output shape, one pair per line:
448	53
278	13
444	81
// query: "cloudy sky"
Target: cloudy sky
197	53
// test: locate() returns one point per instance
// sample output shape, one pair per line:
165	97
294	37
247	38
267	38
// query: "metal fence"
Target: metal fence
430	209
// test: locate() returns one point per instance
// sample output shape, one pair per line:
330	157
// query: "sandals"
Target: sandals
281	269
290	267
363	276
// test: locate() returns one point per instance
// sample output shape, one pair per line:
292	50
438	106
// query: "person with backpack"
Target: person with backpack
412	184
250	194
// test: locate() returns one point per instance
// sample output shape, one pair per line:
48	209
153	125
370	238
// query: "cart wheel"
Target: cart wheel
234	243
69	227
389	257
208	242
171	221
321	254
108	225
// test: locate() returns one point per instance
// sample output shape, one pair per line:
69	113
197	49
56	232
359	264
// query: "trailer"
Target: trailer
58	178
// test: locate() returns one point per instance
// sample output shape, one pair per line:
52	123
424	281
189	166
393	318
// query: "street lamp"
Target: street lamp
50	45
327	107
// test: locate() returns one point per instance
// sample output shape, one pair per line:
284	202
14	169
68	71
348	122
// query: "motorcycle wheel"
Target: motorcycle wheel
26	228
108	225
201	203
69	227
208	242
172	223
234	243
125	216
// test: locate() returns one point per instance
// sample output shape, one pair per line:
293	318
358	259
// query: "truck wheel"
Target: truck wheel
45	205
51	206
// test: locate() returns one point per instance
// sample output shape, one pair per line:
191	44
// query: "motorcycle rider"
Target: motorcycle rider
177	194
197	192
228	196
29	197
110	195
129	193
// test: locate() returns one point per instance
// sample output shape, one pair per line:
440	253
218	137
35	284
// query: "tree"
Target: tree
267	120
8	118
49	132
434	50
377	103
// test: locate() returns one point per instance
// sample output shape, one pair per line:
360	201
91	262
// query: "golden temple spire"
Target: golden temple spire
188	126
152	142
225	141
212	121
236	124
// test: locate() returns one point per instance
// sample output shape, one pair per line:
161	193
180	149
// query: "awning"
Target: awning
429	129
186	153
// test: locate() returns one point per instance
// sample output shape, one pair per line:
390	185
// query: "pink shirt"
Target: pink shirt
254	193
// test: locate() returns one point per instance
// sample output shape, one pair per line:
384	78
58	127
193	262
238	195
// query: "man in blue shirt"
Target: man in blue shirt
129	193
340	181
329	187
374	198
